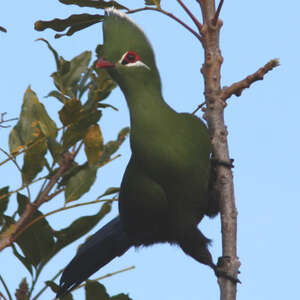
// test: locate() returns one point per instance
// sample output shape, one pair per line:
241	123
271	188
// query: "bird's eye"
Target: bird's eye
130	57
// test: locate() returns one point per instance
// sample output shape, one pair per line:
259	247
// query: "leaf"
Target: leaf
104	105
93	144
110	191
120	297
95	291
25	261
112	146
37	240
55	148
34	124
77	131
102	85
62	98
54	287
78	65
153	2
71	112
95	4
55	54
80	183
79	228
3	202
34	160
74	22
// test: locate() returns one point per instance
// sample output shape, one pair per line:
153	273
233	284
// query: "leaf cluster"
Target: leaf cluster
80	89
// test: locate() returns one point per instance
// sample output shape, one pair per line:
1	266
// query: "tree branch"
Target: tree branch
238	87
214	114
8	237
217	14
194	19
197	35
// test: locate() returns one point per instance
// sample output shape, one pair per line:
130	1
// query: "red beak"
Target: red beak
101	63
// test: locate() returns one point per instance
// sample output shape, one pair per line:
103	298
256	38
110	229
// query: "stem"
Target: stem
46	286
211	71
194	19
6	288
106	276
10	235
197	35
216	17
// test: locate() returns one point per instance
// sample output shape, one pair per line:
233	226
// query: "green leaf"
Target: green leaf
79	228
120	297
153	2
55	54
34	124
110	191
77	131
112	146
101	85
93	144
55	148
78	65
95	291
95	4
62	98
38	240
54	287
105	105
80	183
71	112
25	261
74	22
34	160
3	202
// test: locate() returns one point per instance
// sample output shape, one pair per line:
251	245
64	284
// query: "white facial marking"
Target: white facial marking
133	64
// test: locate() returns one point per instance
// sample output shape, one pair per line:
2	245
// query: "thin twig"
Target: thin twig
194	19
217	14
21	187
12	158
2	296
198	107
2	120
6	288
46	286
238	87
8	237
58	210
197	35
106	276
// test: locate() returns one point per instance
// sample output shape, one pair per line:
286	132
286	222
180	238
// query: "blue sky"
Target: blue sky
263	128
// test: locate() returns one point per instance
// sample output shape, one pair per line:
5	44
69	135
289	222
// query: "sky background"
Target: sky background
263	128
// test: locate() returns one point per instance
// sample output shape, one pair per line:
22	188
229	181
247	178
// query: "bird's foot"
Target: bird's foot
224	274
219	270
228	164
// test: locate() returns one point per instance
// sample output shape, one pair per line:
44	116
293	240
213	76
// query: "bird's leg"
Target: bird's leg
195	245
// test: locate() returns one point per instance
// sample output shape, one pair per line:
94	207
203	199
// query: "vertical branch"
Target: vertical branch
211	71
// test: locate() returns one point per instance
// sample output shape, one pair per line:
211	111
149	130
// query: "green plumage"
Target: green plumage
165	189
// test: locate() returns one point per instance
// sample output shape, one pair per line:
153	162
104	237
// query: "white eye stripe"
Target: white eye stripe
134	64
137	64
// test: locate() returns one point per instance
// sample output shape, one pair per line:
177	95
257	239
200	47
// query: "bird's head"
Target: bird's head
127	53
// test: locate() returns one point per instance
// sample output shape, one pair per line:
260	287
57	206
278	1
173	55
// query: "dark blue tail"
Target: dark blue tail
106	244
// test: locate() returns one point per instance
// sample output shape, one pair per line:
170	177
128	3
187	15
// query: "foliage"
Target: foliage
80	88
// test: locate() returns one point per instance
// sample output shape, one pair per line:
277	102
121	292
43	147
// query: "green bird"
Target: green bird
165	189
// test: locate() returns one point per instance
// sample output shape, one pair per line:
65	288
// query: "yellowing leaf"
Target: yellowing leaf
93	144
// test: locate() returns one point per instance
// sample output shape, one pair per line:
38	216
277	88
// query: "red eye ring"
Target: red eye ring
130	57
